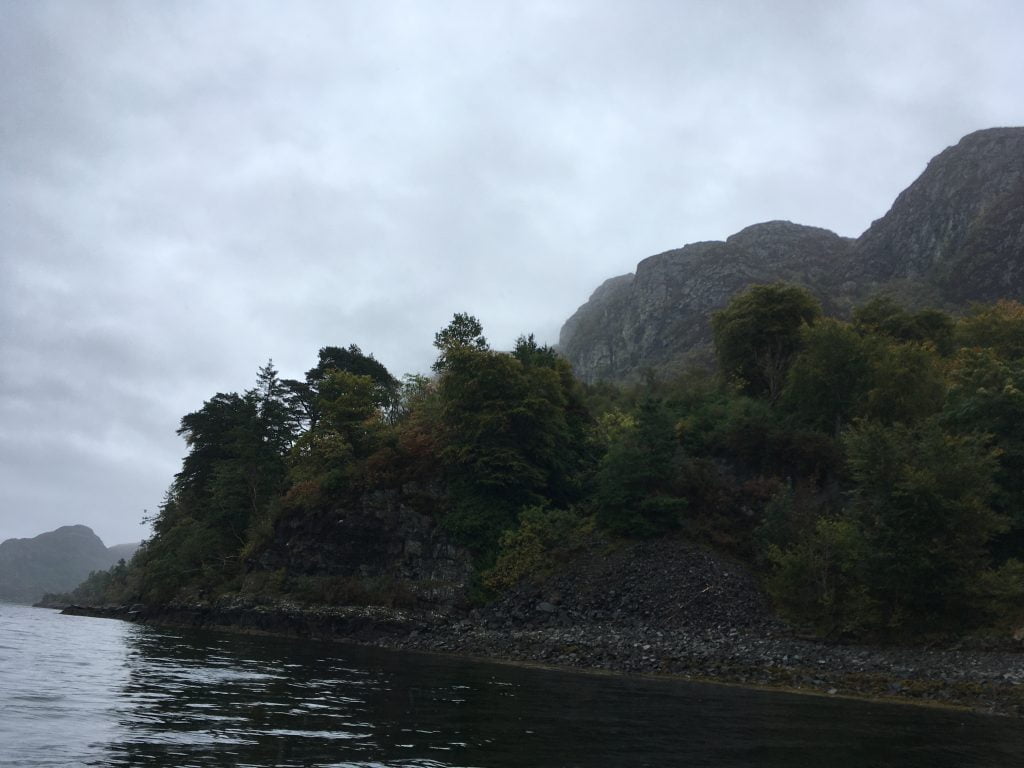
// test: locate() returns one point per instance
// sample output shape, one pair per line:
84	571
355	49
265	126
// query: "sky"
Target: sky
189	189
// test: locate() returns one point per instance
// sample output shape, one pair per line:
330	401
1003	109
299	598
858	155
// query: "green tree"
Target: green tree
881	315
463	333
277	420
304	396
818	578
829	376
920	499
233	472
328	459
759	333
234	467
907	383
511	433
986	398
998	326
635	494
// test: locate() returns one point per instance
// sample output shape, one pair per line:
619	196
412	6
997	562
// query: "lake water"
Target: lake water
82	691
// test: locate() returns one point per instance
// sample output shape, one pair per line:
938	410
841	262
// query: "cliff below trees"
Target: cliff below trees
385	547
955	236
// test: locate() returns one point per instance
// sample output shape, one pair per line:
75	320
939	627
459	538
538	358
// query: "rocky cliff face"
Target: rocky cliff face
959	228
956	235
659	317
385	540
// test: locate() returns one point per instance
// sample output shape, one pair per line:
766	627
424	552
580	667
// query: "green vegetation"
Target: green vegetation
758	335
872	470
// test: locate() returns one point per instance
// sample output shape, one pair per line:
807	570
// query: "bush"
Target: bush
534	549
817	580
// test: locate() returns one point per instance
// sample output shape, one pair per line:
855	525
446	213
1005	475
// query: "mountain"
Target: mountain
56	561
658	317
956	235
122	552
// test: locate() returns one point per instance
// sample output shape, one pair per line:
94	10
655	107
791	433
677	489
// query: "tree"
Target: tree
531	354
234	466
634	494
758	334
999	326
829	376
986	398
881	315
278	422
495	432
537	546
907	383
920	499
510	434
463	333
304	396
233	472
328	458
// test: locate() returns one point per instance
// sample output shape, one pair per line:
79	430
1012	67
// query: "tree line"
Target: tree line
871	470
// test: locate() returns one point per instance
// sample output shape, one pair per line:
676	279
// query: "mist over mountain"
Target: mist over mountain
55	561
954	236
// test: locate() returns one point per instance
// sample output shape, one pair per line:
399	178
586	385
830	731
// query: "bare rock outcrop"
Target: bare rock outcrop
660	317
955	236
384	540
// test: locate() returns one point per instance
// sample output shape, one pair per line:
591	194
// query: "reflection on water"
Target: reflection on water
80	691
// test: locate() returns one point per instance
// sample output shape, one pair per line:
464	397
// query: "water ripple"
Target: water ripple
78	691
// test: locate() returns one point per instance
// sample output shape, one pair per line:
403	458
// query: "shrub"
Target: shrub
534	549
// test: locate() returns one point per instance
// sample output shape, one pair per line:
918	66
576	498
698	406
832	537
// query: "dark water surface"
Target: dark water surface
81	691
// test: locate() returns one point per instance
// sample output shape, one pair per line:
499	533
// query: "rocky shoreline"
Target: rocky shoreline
984	681
655	608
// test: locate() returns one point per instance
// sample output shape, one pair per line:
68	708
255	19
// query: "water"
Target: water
82	691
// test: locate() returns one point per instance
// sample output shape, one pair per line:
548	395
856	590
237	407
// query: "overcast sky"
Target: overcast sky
190	188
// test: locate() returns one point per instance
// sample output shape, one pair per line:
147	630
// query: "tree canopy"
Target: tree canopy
758	334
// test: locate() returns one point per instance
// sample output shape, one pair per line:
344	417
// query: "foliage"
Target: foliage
920	499
114	585
534	549
883	316
758	334
463	334
872	470
512	433
986	398
304	398
634	495
817	580
999	327
907	383
829	377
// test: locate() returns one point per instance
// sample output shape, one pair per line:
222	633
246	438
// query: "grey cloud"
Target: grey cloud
187	189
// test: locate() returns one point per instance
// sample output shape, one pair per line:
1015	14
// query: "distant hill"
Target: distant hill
955	236
122	552
56	561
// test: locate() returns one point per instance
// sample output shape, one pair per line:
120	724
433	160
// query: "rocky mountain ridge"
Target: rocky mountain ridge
55	561
956	235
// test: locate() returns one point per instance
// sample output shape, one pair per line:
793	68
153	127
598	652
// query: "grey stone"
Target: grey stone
955	236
